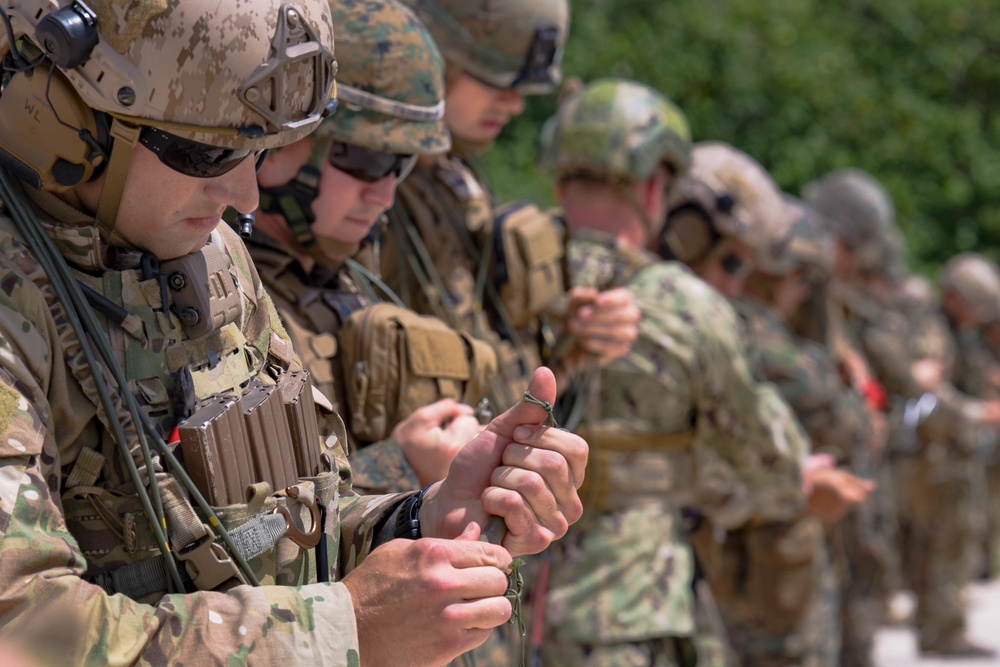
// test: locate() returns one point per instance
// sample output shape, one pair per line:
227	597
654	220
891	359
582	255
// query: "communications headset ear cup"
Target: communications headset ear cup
688	235
47	132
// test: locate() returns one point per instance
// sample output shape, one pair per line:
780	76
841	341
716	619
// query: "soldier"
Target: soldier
670	413
971	300
832	413
129	311
391	87
935	474
444	254
726	214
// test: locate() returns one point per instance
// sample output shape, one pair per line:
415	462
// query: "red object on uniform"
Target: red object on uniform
175	436
874	394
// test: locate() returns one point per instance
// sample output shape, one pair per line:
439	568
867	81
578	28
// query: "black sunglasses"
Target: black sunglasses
733	264
367	165
193	158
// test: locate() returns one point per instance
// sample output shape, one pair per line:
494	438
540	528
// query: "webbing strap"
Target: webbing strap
86	470
137	580
126	137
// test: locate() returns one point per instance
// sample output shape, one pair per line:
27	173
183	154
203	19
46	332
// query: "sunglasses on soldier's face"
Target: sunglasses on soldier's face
367	165
193	158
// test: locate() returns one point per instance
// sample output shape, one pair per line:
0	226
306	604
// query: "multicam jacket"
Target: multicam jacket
716	441
59	512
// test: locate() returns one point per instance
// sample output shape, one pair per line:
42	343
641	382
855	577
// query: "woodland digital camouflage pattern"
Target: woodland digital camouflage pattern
50	420
687	374
384	51
616	130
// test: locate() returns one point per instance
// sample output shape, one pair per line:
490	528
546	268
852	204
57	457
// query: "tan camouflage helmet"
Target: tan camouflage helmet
235	74
741	200
391	80
617	131
977	280
860	213
807	246
509	44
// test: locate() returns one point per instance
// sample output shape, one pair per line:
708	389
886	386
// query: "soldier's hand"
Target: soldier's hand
605	324
432	436
423	602
518	470
834	492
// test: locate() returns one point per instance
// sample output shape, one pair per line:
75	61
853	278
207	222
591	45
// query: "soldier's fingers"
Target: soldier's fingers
441	411
541	475
465	554
526	531
570	446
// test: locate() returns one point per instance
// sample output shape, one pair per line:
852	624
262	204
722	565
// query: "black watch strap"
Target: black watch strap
408	516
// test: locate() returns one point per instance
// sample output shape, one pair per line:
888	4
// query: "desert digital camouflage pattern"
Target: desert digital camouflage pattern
735	456
616	130
230	73
390	82
52	541
492	40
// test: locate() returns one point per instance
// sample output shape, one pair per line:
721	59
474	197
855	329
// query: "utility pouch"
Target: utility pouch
782	570
396	361
528	253
203	292
300	410
216	452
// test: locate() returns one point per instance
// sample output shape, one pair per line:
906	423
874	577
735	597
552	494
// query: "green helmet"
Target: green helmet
618	131
860	213
977	280
510	44
807	246
735	194
391	81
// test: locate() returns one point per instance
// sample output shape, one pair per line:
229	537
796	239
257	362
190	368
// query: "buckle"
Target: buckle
209	565
307	540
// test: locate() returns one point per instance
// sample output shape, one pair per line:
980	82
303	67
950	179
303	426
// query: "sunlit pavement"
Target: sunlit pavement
897	646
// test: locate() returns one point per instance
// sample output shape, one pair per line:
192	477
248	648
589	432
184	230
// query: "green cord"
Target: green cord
550	420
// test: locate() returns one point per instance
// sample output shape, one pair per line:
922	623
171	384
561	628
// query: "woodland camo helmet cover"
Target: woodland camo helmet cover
391	80
617	131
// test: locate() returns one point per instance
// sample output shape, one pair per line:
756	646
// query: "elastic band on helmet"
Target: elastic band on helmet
387	107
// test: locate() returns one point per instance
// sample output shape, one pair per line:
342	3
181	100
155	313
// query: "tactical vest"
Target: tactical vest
232	391
447	255
379	362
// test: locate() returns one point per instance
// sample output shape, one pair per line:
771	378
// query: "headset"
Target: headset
48	136
690	233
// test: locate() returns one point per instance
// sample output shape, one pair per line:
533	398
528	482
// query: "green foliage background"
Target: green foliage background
905	89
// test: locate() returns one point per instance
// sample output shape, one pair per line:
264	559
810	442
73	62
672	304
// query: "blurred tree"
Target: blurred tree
905	89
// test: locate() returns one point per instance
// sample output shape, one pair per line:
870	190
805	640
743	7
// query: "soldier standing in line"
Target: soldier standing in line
970	284
128	310
320	198
446	254
832	413
679	422
934	471
774	583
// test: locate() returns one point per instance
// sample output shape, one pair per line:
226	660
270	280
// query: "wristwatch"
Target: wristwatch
408	516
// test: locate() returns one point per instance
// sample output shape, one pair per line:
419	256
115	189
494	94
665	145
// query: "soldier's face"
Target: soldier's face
728	269
170	214
477	112
346	207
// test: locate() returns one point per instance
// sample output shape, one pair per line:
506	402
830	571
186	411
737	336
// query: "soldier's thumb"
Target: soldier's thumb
542	389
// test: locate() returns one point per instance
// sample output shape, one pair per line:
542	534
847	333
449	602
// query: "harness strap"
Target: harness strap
136	580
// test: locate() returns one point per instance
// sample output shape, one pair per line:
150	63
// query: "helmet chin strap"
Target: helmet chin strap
125	139
293	202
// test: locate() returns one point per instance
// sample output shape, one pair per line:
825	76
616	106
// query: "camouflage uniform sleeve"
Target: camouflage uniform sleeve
748	446
382	468
45	602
